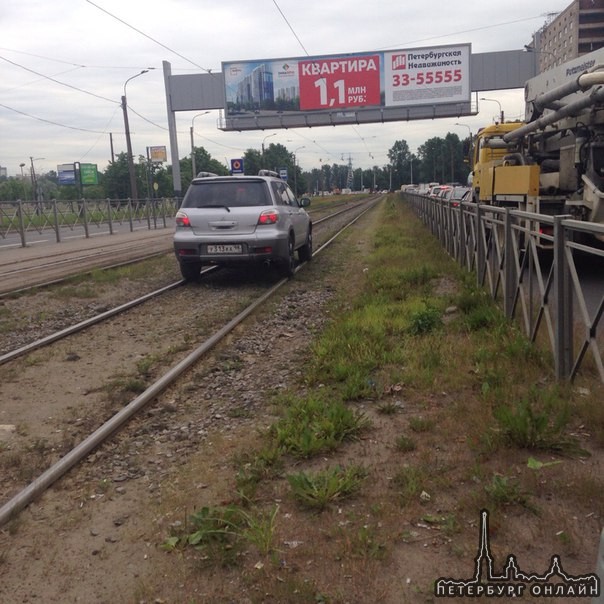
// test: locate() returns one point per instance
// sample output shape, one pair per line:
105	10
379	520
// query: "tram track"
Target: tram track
97	318
58	264
186	299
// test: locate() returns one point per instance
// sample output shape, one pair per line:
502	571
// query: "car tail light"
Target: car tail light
268	217
182	220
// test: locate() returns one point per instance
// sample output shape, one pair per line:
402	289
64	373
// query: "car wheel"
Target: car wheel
190	271
289	263
305	252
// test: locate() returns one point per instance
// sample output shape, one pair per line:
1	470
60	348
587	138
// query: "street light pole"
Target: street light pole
193	167
532	49
267	136
34	178
132	174
465	126
495	101
296	170
23	180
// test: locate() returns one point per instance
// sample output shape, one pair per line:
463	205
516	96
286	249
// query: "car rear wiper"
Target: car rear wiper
217	205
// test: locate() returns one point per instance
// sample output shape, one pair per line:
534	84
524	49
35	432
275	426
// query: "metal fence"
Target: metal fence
546	271
28	217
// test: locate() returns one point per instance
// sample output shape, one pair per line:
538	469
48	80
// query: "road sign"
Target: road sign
237	166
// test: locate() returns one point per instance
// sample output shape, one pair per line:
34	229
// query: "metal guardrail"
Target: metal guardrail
26	217
528	263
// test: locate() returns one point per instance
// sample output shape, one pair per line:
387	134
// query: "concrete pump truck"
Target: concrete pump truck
553	162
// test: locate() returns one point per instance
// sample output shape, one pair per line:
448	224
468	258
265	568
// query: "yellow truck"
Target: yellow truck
553	161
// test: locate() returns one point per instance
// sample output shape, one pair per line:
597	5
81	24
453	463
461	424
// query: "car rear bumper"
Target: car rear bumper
252	250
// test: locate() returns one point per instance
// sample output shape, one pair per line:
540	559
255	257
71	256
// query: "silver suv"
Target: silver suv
238	220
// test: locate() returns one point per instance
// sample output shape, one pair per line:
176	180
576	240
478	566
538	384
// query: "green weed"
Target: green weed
313	425
316	491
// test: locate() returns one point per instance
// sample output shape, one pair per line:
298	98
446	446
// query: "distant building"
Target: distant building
577	30
2	172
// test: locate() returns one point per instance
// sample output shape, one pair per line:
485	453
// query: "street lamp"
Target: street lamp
495	101
133	191
532	49
34	180
296	171
465	126
193	168
267	136
23	180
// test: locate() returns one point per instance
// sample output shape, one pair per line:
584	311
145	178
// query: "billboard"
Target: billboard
157	154
89	174
67	174
357	82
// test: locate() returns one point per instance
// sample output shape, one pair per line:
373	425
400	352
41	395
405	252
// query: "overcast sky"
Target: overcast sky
63	65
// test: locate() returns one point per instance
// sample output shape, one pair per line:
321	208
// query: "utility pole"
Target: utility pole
131	172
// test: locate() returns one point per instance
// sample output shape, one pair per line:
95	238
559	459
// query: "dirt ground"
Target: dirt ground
97	535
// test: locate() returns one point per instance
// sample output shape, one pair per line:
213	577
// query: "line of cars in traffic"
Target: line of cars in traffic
453	194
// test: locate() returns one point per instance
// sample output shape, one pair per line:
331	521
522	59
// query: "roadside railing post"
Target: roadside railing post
509	272
55	213
148	213
480	251
130	218
109	216
462	235
85	217
563	333
21	223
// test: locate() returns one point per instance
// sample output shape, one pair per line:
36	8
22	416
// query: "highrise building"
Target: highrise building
575	31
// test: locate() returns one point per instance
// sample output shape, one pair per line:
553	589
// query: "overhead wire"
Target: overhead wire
41	119
98	96
290	27
142	33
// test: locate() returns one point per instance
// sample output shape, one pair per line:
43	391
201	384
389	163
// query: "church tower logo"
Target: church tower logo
513	582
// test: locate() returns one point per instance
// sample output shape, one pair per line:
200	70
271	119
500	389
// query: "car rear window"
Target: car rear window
230	194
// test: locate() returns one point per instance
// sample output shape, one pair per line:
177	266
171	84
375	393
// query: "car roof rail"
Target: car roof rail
205	174
268	173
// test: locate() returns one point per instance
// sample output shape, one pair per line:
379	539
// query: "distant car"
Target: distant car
457	194
434	191
439	191
241	220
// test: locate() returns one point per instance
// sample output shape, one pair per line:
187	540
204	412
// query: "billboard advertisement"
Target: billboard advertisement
67	174
351	82
89	174
157	154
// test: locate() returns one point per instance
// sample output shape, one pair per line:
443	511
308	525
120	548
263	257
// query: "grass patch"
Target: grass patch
537	421
317	490
221	533
315	425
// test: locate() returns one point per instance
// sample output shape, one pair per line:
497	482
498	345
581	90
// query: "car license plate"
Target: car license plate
224	249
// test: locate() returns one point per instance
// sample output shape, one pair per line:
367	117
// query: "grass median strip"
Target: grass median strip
418	406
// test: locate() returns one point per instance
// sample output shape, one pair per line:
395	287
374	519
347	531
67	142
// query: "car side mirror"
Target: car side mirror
304	202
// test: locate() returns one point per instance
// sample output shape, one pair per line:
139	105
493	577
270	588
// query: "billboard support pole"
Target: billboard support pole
176	178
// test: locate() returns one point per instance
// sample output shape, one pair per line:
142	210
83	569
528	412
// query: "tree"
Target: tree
117	178
12	189
400	159
275	157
